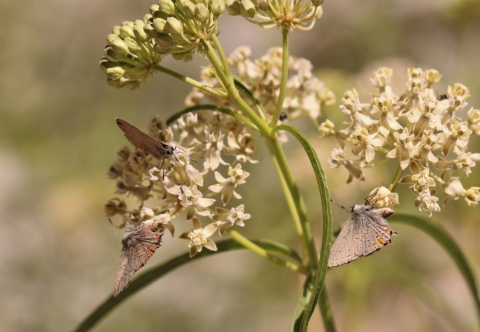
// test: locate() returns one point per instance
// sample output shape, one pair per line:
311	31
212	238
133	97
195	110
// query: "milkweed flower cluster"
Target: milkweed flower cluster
180	27
423	131
299	14
305	93
129	59
179	187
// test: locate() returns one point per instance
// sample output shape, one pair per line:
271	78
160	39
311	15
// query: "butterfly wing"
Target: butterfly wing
342	250
372	232
142	141
138	246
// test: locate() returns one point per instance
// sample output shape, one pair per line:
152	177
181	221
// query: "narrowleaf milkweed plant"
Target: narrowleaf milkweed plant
240	100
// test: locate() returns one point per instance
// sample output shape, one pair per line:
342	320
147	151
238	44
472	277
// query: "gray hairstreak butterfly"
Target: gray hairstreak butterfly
365	232
139	244
147	143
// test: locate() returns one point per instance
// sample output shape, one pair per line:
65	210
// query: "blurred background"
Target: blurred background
58	253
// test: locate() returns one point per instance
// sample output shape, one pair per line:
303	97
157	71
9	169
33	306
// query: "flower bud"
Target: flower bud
201	12
139	31
262	4
233	7
164	40
247	8
115	73
117	44
174	26
159	24
126	31
167	7
188	8
317	3
217	8
153	9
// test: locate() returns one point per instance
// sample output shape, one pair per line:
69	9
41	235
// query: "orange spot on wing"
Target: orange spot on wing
152	249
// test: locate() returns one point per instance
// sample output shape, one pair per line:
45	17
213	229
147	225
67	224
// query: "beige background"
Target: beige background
58	253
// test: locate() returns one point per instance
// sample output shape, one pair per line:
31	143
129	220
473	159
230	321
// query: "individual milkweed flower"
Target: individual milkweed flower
463	162
428	203
381	198
337	159
352	107
228	218
405	147
454	189
199	237
213	146
365	142
456	135
241	146
474	120
326	128
385	104
227	186
421	181
288	14
192	200
429	143
129	60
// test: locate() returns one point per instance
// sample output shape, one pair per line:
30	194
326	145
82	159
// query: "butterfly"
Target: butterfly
139	244
365	231
145	142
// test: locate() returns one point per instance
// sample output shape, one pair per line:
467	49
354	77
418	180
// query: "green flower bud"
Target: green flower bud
154	8
174	26
161	50
139	31
115	73
126	31
159	24
117	44
233	7
116	30
188	8
113	56
247	8
217	8
164	40
201	12
167	7
132	45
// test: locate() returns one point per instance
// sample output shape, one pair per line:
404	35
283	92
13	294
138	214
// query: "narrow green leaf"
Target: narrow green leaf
197	108
155	273
441	236
304	310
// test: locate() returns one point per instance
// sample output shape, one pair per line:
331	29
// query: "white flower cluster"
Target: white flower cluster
179	187
421	130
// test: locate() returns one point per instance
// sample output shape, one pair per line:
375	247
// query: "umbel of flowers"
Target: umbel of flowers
424	132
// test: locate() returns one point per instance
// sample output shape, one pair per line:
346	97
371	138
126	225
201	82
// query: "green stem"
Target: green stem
264	253
283	82
192	82
296	204
227	81
394	183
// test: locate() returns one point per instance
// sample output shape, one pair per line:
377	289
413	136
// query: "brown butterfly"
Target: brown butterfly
365	232
145	142
139	244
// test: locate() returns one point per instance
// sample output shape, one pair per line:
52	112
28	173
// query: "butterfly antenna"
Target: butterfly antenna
340	206
184	153
113	226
